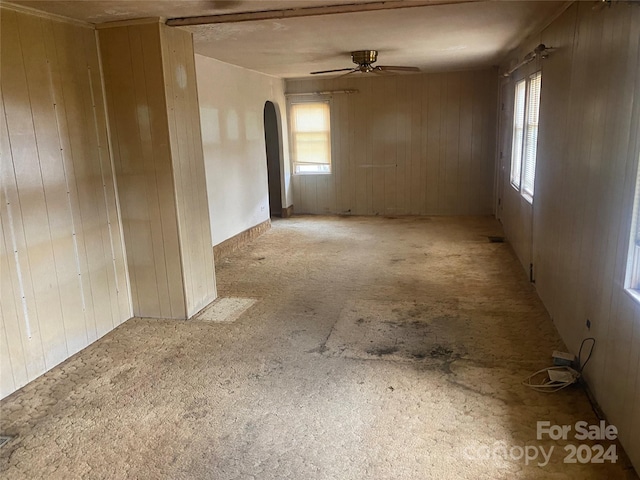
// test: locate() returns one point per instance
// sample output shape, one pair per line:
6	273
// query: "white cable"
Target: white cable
548	385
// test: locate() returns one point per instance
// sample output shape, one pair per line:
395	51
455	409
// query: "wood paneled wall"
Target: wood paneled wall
588	153
511	204
152	102
188	168
62	261
406	144
132	64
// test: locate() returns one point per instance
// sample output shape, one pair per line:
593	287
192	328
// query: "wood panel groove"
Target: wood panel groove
35	45
53	249
404	145
588	154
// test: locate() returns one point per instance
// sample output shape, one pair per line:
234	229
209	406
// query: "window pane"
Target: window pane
312	147
311	117
303	168
531	134
518	132
633	260
310	132
530	152
636	231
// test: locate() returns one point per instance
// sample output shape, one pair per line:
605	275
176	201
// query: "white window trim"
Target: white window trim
292	145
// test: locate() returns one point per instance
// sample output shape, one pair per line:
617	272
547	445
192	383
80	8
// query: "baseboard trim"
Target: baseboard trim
230	245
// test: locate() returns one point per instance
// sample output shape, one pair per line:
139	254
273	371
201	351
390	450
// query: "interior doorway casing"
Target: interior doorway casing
274	157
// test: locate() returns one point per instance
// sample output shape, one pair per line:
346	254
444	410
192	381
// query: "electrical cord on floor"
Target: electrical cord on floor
557	378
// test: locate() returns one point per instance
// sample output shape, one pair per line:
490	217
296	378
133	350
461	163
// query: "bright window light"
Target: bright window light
524	148
632	283
518	133
531	135
311	137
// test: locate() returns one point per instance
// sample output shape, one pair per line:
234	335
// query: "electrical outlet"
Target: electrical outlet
588	324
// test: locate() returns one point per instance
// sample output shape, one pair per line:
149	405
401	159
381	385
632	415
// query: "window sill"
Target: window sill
633	293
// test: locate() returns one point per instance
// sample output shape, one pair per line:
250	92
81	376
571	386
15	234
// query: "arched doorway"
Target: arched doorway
272	141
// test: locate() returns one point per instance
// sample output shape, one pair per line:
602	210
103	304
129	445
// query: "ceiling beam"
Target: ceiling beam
309	11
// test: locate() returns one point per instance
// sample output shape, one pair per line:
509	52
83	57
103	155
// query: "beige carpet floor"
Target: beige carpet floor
376	348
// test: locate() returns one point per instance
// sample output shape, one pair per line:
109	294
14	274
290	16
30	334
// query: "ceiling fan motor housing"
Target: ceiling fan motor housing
364	57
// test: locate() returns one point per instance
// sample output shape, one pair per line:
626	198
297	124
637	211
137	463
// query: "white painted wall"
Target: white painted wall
231	111
578	234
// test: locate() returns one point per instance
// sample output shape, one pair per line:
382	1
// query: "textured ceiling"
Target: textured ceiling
100	11
433	38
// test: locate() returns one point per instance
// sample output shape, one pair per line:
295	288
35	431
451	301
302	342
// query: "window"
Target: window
518	134
633	263
526	117
311	137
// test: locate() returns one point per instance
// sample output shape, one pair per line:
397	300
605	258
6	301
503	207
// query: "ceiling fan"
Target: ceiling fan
364	59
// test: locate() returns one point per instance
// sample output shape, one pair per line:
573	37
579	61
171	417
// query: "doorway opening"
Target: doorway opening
273	146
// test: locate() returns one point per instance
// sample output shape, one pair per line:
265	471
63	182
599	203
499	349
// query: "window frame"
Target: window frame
295	164
526	117
632	278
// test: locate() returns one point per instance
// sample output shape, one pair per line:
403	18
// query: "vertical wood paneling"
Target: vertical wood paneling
115	48
147	96
588	150
427	185
188	168
7	382
360	157
155	124
76	97
173	70
341	173
417	166
481	146
465	146
32	194
57	257
132	64
515	207
403	139
449	164
15	355
405	144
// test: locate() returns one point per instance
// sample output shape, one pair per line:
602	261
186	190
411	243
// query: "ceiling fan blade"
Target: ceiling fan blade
331	71
398	69
353	70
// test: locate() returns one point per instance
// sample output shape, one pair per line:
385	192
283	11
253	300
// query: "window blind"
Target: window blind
636	203
531	134
632	282
311	136
518	132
